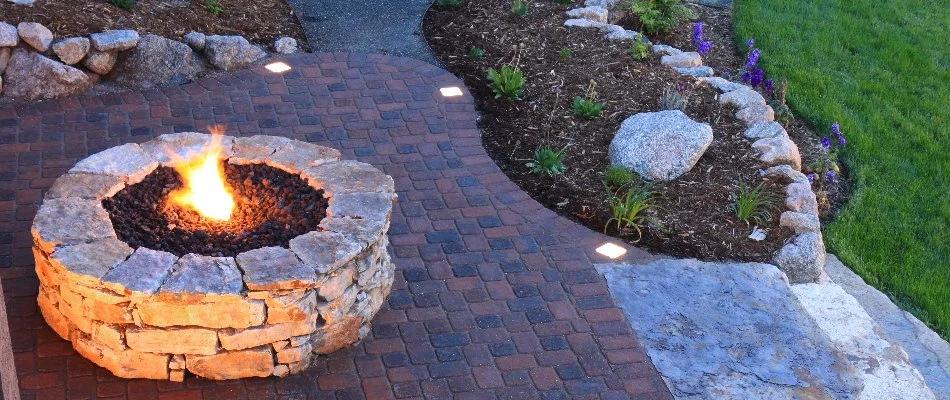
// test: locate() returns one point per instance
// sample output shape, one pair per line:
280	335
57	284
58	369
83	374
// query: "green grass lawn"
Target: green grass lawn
882	69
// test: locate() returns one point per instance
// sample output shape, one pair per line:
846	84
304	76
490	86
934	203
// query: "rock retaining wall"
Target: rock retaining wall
142	313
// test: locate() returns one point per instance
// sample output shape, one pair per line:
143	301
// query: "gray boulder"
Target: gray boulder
231	52
802	259
800	222
755	114
660	145
100	62
195	40
36	35
71	51
742	97
157	61
623	35
286	45
800	198
31	76
766	129
8	35
590	13
724	85
778	150
115	40
682	60
696	72
664	49
23	2
786	174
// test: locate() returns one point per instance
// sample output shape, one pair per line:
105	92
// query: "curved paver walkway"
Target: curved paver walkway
496	296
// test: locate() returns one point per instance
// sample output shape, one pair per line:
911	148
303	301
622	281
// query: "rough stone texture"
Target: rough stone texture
682	60
884	367
800	198
803	258
70	221
608	4
348	177
373	206
286	45
728	331
591	13
666	50
786	174
297	156
9	36
334	284
5	54
195	40
144	271
31	76
233	365
929	354
583	23
757	113
197	274
114	40
622	35
660	145
124	364
762	130
778	150
231	52
36	35
71	51
294	307
173	147
723	85
100	62
87	263
696	72
214	314
272	268
127	161
742	98
324	251
263	335
173	340
157	61
800	222
254	149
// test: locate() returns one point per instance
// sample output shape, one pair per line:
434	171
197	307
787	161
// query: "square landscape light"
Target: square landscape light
277	67
611	250
452	91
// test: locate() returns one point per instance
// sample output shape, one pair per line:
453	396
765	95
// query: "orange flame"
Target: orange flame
205	189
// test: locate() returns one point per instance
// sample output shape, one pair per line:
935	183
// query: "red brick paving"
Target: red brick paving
496	296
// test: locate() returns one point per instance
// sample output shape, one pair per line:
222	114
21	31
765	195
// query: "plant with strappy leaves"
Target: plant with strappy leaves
783	114
519	7
565	53
547	161
629	211
214	7
507	82
476	53
753	203
586	106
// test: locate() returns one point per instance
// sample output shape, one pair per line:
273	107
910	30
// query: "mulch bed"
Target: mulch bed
260	21
271	207
694	208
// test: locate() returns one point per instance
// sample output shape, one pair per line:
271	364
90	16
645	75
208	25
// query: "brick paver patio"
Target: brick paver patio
496	296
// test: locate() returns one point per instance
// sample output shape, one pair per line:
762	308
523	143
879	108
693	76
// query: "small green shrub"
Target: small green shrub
476	53
752	203
446	3
672	99
123	4
506	83
214	7
547	161
630	210
519	7
639	49
565	53
584	107
616	176
659	16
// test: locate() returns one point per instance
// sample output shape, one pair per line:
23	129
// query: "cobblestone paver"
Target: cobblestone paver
495	296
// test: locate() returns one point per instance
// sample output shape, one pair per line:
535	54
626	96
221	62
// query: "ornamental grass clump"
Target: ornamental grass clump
753	203
586	106
825	168
617	177
547	161
506	83
673	99
630	210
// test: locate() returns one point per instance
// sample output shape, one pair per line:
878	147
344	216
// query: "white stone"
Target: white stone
623	35
9	36
286	45
324	251
682	60
800	198
803	258
800	222
114	40
742	98
778	150
347	176
71	51
696	72
583	23
756	114
127	161
665	50
787	174
70	221
766	129
231	52
723	85
36	35
661	145
591	13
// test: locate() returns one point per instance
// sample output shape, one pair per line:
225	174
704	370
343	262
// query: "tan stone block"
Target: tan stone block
177	362
332	337
324	251
127	162
233	364
108	313
334	285
124	364
177	375
294	354
280	345
67	294
294	307
74	314
173	340
254	149
49	276
281	370
222	314
335	310
274	268
299	340
257	336
109	336
54	318
100	295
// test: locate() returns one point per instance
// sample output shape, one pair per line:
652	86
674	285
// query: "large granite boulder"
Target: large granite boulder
660	146
32	76
729	331
157	61
9	36
231	52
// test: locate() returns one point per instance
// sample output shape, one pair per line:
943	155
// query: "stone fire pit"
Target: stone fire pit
144	313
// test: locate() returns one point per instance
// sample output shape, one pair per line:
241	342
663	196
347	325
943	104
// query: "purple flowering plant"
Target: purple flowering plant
702	46
826	167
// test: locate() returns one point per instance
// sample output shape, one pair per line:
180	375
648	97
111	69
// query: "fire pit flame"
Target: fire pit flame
205	189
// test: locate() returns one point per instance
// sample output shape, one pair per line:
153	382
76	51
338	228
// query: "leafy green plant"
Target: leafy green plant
658	16
519	7
214	7
616	176
783	114
752	203
123	4
565	52
672	99
446	3
476	53
506	83
639	49
547	161
586	106
630	210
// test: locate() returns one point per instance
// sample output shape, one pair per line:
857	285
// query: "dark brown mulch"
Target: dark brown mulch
260	21
694	208
271	207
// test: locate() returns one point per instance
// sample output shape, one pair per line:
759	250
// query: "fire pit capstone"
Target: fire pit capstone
142	313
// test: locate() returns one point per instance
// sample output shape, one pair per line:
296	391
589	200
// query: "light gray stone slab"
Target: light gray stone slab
358	230
696	72
583	23
742	98
127	161
114	40
297	156
87	263
182	146
682	60
348	177
144	271
666	50
325	252
800	198
70	221
723	85
802	259
197	274
929	354
86	186
373	206
787	174
286	45
728	331
800	222
755	114
273	268
762	130
590	13
254	149
778	150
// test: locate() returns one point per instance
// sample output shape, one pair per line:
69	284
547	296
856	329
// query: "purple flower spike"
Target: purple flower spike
745	77
825	142
757	76
750	42
841	141
704	47
831	175
698	33
769	86
752	59
811	178
836	129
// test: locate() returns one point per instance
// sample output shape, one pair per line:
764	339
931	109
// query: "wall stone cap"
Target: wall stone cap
127	161
362	231
372	206
87	263
70	221
198	274
144	271
254	149
172	147
296	156
348	176
86	186
324	251
274	268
